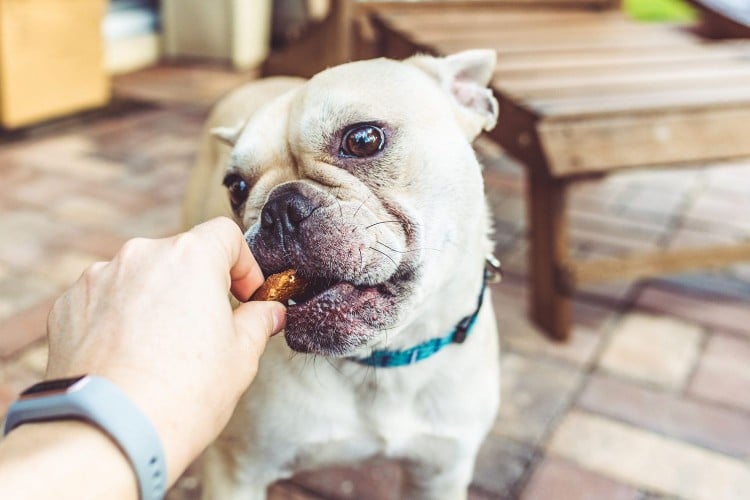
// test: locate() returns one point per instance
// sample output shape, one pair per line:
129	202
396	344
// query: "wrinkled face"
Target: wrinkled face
357	180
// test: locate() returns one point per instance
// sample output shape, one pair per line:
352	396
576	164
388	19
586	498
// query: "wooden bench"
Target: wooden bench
585	92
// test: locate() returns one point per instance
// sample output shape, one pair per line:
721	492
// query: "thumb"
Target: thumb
259	320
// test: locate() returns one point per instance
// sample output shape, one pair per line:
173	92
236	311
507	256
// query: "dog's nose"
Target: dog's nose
285	210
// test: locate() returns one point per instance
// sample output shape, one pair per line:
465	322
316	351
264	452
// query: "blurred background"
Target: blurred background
618	179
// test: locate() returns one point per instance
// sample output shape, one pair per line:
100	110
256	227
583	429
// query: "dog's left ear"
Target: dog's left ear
229	135
465	77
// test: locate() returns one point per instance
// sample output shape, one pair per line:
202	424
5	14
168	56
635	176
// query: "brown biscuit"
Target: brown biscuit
281	287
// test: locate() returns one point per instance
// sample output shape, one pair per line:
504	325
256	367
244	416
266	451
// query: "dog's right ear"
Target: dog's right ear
465	76
229	135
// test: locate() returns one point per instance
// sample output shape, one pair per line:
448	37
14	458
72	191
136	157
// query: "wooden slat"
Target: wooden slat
438	7
586	146
575	274
644	102
632	83
502	19
508	45
606	74
605	64
594	34
614	92
624	58
626	43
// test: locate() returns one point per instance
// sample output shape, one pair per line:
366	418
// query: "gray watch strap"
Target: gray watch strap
105	405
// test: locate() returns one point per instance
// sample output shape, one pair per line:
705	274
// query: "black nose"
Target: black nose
285	210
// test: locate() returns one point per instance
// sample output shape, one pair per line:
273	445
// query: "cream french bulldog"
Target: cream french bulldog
364	180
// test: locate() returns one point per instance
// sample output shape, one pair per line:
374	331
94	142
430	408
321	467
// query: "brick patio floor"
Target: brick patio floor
651	398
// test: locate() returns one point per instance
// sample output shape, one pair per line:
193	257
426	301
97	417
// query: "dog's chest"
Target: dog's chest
383	430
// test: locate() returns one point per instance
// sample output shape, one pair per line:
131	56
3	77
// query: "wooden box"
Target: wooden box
51	59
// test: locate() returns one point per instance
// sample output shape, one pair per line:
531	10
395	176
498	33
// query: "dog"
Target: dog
364	180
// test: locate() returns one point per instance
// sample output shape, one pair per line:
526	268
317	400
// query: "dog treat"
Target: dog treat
281	287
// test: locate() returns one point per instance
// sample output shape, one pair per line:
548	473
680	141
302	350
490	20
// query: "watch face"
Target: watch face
59	385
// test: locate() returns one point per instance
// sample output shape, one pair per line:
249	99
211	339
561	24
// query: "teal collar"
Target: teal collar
392	359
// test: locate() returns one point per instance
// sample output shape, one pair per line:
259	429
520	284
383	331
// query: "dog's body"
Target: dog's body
363	178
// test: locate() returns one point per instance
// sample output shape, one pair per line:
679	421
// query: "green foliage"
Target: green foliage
659	10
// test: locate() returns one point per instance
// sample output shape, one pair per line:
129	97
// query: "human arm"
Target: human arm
157	322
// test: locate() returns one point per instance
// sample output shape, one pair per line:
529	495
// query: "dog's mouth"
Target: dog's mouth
332	316
336	298
313	289
316	290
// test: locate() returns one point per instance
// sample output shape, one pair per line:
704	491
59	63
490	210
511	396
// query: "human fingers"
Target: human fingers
259	320
244	273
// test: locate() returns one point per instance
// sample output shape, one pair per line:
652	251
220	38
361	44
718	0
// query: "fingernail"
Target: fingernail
279	318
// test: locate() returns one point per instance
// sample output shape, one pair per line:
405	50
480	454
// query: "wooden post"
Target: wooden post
548	252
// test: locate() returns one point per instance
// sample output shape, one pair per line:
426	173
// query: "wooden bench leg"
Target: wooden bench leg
550	304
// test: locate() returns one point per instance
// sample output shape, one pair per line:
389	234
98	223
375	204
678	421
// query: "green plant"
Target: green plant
659	10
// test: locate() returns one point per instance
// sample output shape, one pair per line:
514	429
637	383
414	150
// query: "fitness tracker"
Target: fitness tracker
103	404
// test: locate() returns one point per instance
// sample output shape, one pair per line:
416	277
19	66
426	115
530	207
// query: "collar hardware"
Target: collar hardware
462	329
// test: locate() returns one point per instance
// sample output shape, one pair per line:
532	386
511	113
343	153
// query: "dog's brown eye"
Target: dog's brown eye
362	141
238	190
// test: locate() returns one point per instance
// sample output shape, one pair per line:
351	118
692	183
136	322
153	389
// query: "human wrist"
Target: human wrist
101	402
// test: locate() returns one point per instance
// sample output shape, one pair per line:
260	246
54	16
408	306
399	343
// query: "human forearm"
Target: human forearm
69	459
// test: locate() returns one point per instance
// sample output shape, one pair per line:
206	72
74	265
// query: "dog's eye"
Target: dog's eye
238	190
362	141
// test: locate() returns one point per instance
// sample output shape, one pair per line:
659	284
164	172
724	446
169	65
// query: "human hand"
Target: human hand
157	321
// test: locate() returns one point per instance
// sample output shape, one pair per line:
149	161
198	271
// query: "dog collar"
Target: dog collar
385	358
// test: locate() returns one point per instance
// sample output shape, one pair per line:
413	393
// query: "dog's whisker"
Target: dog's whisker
391	248
315	366
383	222
407	251
338	369
341	210
384	254
354	216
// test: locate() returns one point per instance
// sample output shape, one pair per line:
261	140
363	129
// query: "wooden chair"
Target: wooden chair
584	92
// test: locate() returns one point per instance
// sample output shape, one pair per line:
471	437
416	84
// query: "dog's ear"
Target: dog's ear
465	77
229	135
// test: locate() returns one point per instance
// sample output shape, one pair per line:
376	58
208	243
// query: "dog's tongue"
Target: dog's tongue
282	287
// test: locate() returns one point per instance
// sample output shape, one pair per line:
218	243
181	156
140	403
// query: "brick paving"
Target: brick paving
650	399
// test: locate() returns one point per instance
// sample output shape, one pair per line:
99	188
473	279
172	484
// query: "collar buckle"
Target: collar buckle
462	330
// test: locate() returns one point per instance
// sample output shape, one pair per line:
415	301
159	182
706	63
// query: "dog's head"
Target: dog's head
364	180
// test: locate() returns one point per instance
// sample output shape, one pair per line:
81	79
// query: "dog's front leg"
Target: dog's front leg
427	480
224	478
